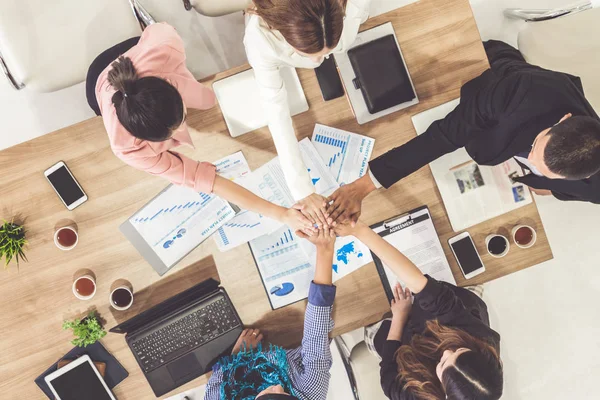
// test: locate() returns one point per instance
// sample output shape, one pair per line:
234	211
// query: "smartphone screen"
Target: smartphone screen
466	254
65	185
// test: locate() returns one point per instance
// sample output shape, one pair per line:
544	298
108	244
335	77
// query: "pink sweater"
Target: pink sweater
160	53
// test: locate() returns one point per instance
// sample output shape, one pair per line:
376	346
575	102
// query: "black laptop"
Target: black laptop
184	336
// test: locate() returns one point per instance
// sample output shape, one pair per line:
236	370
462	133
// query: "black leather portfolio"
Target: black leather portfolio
115	373
380	74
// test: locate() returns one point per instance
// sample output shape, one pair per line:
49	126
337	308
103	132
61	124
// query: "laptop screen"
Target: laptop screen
170	305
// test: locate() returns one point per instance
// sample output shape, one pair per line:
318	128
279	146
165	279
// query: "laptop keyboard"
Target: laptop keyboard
185	334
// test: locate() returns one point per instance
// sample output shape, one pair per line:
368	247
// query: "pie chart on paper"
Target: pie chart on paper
282	290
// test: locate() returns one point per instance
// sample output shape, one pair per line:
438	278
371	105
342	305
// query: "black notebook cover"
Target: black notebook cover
115	373
380	74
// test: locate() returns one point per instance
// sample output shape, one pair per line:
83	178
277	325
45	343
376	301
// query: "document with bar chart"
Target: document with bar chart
346	154
285	269
178	220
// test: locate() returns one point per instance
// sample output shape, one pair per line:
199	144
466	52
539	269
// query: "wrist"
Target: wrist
366	185
325	250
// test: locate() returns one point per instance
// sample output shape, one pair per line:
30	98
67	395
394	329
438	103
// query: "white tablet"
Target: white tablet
79	380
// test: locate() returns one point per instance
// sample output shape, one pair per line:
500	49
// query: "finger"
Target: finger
393	302
337	213
298	206
354	219
260	337
322	218
408	293
301	234
305	221
309	216
333	197
332	233
332	207
244	333
402	293
396	295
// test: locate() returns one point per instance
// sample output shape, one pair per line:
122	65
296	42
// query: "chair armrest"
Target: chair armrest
216	8
342	349
11	79
537	15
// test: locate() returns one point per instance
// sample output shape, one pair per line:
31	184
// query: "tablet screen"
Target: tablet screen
80	383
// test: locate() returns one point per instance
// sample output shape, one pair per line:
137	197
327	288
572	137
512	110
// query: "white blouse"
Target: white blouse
267	52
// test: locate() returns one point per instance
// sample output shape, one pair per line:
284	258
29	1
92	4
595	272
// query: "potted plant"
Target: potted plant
12	242
86	331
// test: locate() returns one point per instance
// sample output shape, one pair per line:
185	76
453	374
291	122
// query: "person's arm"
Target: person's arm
315	350
275	103
402	267
247	200
213	387
202	177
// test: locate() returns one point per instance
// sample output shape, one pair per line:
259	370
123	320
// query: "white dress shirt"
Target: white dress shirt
267	52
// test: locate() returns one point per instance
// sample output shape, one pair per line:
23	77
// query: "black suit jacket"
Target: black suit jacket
500	114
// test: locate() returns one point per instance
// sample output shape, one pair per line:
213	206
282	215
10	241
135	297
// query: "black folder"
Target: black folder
381	74
115	373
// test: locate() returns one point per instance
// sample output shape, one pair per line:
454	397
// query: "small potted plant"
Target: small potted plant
86	331
12	242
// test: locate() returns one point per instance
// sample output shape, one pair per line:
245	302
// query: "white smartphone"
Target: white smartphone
65	185
466	255
78	380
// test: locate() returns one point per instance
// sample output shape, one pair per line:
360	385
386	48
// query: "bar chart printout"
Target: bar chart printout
285	269
178	220
346	154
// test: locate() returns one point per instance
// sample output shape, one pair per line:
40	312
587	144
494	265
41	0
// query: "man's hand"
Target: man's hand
345	203
324	239
298	222
314	207
541	192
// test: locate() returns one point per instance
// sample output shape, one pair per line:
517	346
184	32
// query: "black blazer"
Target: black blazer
499	116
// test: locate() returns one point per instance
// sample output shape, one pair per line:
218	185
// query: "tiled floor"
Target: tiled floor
547	315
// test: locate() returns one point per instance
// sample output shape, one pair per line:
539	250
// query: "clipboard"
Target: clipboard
415	233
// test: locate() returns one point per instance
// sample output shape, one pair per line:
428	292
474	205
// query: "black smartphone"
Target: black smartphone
329	80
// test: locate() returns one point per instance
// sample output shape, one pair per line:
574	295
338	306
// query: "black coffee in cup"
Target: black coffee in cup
497	245
121	298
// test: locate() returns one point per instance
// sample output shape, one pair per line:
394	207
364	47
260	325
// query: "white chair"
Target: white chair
361	367
46	46
565	40
212	44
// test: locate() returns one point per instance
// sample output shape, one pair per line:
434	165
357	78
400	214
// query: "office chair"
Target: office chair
362	367
565	40
216	8
47	46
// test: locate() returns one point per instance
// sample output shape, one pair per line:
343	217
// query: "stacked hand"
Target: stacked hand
298	222
346	202
314	208
401	304
323	239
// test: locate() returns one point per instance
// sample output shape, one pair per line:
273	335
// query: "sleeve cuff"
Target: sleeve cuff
205	177
375	181
321	295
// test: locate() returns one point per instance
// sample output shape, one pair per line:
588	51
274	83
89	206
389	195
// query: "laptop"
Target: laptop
184	336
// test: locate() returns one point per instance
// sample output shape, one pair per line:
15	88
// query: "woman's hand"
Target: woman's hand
324	239
346	228
345	203
401	304
313	207
298	222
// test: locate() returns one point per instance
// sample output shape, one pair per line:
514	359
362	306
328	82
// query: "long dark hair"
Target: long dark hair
150	108
307	25
476	375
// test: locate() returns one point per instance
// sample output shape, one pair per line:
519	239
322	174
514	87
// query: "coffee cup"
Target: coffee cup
497	245
84	287
524	236
121	295
66	237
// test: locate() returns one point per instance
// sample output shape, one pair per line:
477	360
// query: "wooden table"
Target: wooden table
443	50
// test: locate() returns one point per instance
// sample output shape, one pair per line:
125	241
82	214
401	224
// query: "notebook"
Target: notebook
241	103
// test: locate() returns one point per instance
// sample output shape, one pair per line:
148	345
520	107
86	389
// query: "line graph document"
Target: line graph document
178	220
285	269
346	154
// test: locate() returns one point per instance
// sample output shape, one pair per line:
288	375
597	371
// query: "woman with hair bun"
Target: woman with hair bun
142	88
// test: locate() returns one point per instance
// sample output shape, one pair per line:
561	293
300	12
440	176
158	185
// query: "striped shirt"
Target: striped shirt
310	363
